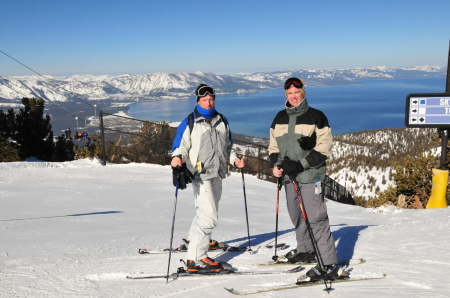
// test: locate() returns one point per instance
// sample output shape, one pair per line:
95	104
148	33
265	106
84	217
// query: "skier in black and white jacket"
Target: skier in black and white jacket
300	143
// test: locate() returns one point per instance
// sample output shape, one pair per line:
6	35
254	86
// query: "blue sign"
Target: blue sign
428	110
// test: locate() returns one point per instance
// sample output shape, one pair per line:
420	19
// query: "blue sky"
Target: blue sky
113	37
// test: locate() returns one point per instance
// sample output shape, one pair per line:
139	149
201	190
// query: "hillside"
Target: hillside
363	161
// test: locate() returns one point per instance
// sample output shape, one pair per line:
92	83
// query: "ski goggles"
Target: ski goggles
293	82
205	90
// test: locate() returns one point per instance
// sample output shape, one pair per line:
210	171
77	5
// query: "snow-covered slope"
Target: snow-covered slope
73	229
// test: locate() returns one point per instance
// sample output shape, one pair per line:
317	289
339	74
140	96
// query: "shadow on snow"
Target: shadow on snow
345	237
81	214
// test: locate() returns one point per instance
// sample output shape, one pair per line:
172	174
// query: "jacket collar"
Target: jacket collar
298	110
199	117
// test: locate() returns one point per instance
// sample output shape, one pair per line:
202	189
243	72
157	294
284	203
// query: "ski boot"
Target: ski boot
205	264
296	257
213	245
315	274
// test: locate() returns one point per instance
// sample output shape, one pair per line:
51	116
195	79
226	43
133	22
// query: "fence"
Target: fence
336	192
126	139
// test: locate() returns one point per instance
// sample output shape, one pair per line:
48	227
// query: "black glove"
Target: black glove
291	167
308	143
182	176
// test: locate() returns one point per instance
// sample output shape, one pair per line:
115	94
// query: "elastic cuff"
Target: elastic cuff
305	164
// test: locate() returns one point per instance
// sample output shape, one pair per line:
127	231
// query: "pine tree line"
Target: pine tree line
28	133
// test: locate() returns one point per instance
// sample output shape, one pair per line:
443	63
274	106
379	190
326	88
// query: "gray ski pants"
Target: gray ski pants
316	211
207	195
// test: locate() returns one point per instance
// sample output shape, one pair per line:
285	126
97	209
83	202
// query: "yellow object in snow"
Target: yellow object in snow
438	190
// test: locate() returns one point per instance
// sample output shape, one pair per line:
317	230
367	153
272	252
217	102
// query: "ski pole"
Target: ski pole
275	257
311	234
173	226
246	212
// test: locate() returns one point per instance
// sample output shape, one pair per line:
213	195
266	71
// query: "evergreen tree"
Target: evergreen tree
412	180
31	130
6	124
152	144
90	150
7	151
64	147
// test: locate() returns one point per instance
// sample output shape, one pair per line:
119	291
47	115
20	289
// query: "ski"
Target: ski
343	262
176	250
181	272
222	248
301	285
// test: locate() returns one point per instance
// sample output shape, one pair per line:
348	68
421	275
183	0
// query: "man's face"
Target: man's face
206	102
294	96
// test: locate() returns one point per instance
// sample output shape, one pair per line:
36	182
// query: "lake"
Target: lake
374	104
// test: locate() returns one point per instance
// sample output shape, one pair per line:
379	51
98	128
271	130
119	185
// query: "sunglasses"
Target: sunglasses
294	81
205	90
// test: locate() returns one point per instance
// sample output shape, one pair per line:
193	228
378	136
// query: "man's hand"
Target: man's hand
176	162
277	172
239	162
291	166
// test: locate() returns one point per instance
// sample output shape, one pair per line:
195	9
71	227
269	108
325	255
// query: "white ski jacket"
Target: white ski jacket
207	149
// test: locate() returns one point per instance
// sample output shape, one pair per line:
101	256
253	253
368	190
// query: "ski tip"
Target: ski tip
232	291
279	246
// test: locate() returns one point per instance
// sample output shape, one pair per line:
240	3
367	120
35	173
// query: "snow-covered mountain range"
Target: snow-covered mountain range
158	86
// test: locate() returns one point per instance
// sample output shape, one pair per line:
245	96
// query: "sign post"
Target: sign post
433	110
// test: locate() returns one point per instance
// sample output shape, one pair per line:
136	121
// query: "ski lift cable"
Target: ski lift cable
75	95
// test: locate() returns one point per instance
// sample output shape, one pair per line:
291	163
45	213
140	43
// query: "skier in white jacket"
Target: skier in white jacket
202	149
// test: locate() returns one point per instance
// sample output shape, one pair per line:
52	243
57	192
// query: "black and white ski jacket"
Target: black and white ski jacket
290	125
